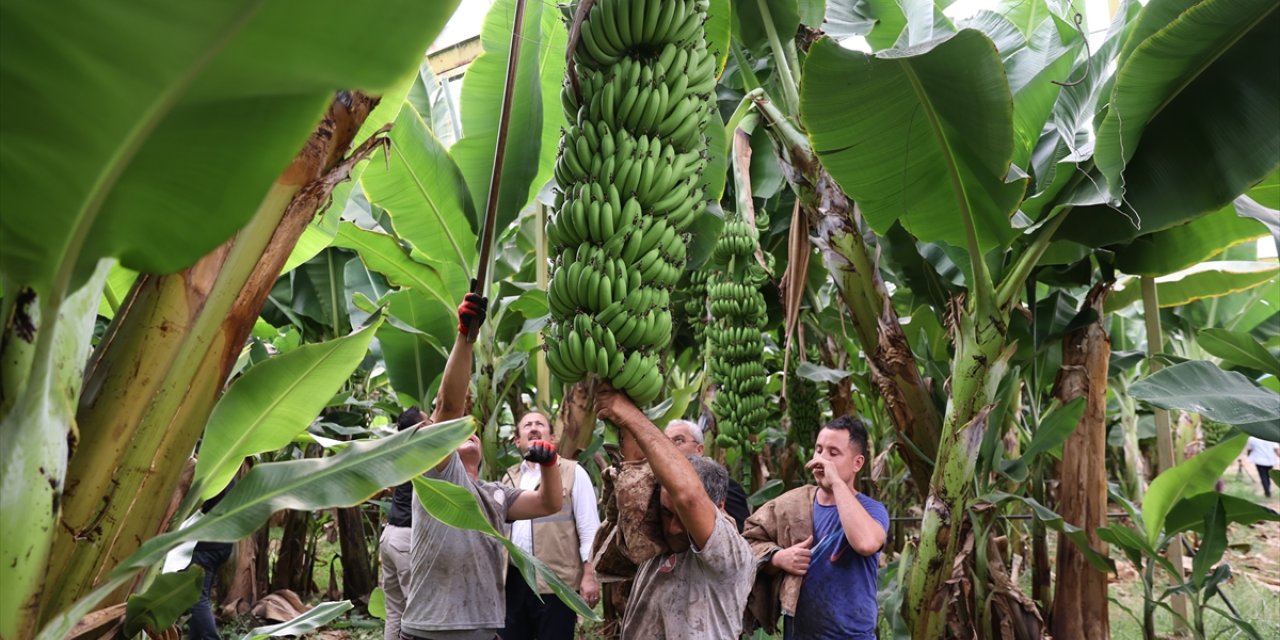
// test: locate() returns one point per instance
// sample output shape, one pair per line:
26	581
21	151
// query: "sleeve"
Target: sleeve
725	551
880	513
760	530
735	504
586	516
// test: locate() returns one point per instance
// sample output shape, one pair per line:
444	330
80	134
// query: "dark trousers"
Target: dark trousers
208	556
531	619
1264	474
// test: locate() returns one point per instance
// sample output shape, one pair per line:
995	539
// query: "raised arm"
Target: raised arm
451	399
864	534
549	496
673	471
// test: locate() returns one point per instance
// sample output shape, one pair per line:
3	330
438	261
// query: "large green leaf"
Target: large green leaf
551	70
848	18
1190	478
749	22
350	477
1034	71
1222	396
1203	280
1183	246
319	290
273	402
719	29
425	195
196	109
119	282
923	135
481	104
1239	348
1057	425
382	253
168	597
412	346
1188	513
313	619
1190	122
456	507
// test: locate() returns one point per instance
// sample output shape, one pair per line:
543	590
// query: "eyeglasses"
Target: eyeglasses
679	441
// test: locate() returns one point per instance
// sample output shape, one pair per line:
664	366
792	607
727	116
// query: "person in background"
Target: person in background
687	436
393	547
1265	456
456	576
699	589
562	541
819	546
209	556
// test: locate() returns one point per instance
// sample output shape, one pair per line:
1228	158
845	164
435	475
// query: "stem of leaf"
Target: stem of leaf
790	92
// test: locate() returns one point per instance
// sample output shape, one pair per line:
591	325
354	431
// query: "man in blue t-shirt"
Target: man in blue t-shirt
824	584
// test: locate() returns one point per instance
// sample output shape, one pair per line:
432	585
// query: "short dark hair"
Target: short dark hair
715	478
411	417
855	428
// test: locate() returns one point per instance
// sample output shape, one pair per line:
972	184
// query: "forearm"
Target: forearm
451	399
550	490
864	534
670	467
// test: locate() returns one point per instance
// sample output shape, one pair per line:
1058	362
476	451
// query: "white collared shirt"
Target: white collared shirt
585	516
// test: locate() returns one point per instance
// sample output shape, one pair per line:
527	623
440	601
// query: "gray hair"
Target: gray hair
694	429
715	479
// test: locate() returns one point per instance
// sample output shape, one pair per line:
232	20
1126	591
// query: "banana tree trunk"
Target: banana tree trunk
836	221
357	568
1080	593
290	571
158	371
979	364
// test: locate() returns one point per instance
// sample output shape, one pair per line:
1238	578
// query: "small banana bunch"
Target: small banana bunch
737	349
802	406
629	173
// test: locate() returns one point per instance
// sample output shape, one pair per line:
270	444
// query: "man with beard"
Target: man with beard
562	541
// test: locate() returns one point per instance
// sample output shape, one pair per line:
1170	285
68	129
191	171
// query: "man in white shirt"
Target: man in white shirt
1264	455
562	541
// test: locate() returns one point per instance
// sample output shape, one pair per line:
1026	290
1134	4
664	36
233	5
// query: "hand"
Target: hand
541	452
613	405
589	589
823	472
794	559
472	309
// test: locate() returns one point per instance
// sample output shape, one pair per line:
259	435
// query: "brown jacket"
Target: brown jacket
780	523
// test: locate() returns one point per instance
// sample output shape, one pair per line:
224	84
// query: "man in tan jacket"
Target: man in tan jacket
562	541
819	546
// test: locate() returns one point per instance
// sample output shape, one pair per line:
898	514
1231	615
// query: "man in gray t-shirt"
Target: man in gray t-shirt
699	590
457	575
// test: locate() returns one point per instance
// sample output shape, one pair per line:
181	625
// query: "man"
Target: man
393	548
699	589
820	546
456	581
561	541
1265	456
688	436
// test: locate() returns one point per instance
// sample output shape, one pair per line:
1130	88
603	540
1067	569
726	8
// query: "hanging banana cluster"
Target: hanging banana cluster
737	349
802	406
695	305
629	174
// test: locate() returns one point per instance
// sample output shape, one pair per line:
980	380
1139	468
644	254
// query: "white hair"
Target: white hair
694	429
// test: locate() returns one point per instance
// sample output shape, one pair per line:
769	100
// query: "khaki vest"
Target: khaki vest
555	537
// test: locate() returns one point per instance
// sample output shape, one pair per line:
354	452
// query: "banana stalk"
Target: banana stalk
161	366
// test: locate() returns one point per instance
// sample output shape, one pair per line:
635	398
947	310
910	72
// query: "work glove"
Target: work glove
472	309
541	452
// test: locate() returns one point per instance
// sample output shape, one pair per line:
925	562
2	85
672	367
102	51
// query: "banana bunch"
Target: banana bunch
695	305
802	406
629	176
737	348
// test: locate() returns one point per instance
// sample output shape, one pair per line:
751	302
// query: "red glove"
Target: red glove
473	308
541	452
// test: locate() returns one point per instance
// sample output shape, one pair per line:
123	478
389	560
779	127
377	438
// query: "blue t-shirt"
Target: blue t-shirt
838	596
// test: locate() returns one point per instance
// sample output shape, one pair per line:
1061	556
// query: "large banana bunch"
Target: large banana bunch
629	173
736	347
